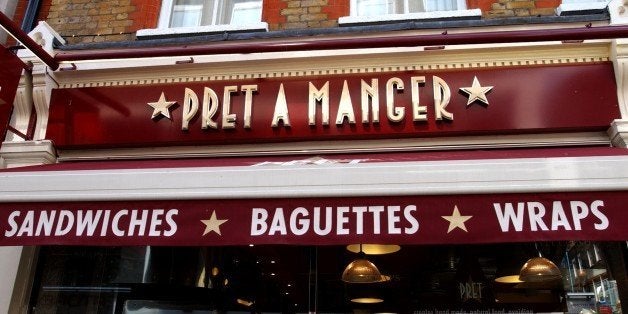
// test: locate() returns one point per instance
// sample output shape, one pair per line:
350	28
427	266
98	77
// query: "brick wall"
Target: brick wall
271	13
83	21
146	14
295	14
509	8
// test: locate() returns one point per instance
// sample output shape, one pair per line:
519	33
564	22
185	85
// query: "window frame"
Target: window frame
581	7
164	29
187	8
462	12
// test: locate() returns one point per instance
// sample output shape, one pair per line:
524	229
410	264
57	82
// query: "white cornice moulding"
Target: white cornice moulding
303	64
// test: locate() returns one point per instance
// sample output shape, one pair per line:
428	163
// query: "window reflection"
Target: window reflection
299	279
193	13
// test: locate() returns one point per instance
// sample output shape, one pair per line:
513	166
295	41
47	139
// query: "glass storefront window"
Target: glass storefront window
302	279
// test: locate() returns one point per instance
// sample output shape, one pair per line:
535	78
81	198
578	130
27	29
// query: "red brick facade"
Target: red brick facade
95	20
145	15
115	20
271	13
336	9
295	14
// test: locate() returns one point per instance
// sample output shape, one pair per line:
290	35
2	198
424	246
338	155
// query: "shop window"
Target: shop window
577	7
374	11
301	279
207	16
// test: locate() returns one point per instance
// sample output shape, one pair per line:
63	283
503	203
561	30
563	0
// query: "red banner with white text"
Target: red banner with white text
443	219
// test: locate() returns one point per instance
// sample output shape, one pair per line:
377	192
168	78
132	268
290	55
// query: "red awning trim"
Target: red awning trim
410	198
516	171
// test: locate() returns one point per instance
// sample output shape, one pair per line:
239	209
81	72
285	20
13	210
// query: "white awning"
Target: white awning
387	174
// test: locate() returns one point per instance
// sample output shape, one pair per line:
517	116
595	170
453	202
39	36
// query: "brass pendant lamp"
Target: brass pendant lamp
361	270
539	269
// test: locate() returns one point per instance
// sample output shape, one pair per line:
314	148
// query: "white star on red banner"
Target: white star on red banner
213	224
456	220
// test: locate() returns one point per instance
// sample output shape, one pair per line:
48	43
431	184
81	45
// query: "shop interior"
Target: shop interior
543	277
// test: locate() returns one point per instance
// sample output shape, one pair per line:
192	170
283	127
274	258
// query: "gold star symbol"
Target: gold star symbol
456	220
476	92
161	107
213	224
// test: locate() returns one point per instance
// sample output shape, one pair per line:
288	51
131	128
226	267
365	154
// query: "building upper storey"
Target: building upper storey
93	21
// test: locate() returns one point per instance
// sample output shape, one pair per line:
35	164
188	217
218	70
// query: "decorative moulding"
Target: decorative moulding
33	92
619	56
45	36
359	61
29	153
618	133
618	9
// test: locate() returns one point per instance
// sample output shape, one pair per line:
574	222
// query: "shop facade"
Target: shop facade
159	177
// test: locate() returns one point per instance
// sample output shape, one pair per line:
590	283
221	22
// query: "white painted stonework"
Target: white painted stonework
565	8
206	29
9	263
33	93
618	11
619	133
27	153
44	35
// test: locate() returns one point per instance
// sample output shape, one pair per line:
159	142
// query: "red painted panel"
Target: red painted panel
448	219
523	100
10	70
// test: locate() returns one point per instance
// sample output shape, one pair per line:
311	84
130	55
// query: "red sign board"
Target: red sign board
321	221
10	71
579	97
